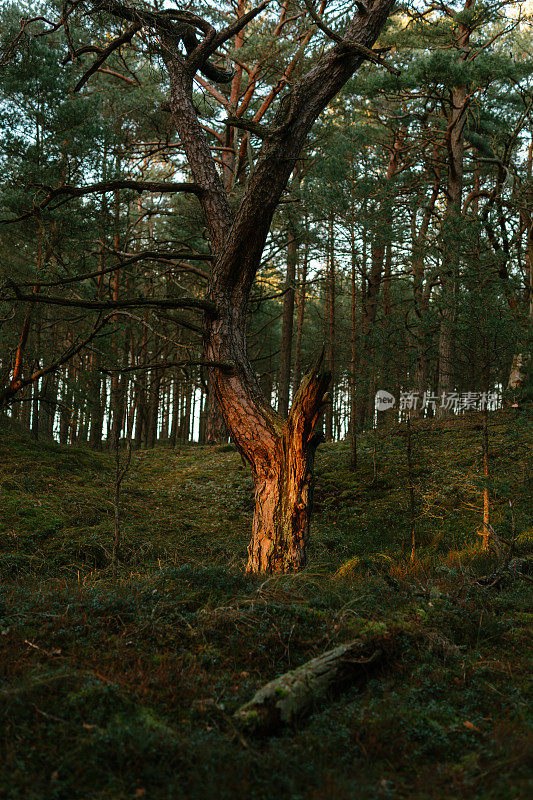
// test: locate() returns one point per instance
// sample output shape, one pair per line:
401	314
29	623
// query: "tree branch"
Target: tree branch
223	365
98	305
128	34
248	125
178	26
12	390
348	46
295	117
107	186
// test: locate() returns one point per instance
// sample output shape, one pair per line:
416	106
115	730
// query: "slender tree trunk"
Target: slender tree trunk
330	328
446	350
19	355
25	414
451	228
140	394
97	409
193	412
116	405
35	405
48	400
65	412
130	413
485	531
522	360
353	355
48	405
387	303
287	326
300	316
186	414
153	409
175	412
410	478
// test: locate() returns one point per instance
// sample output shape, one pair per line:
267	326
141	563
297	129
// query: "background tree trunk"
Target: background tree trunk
300	316
287	326
330	325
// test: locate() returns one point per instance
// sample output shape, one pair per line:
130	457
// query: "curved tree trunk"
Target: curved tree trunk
279	451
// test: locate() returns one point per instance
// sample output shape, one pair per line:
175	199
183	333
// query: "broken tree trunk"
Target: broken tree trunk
284	482
296	693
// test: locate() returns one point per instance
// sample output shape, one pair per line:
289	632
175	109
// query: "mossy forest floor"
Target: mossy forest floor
124	687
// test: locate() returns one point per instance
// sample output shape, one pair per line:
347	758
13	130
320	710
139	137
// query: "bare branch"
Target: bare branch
107	186
99	305
237	26
155	254
317	19
178	26
127	36
12	390
349	46
248	125
369	55
127	260
223	365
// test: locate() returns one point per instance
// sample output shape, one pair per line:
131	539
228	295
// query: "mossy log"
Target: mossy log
515	568
296	693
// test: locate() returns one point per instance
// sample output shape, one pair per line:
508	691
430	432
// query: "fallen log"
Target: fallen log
296	693
515	568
